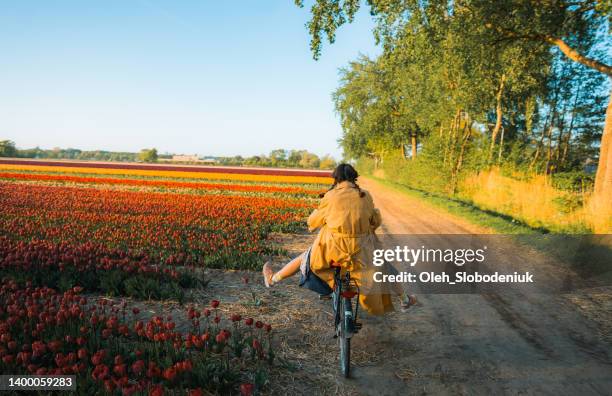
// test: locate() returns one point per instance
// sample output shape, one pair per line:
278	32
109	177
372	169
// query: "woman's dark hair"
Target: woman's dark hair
345	172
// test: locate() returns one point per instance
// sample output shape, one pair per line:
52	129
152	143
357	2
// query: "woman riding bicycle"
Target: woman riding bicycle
347	220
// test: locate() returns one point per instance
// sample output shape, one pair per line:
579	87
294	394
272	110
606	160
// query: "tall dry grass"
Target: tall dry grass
599	215
536	202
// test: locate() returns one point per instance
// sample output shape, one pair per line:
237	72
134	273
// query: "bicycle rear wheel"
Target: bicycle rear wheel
345	356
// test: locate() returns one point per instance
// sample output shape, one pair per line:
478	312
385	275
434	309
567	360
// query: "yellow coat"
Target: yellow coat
347	223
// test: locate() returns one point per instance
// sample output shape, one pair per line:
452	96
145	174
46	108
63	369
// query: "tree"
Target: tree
327	162
572	27
278	157
7	148
309	160
148	155
294	158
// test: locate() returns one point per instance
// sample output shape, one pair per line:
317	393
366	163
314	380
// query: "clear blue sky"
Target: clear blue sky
206	77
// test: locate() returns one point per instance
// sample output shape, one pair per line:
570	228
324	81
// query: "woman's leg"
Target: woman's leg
288	270
406	300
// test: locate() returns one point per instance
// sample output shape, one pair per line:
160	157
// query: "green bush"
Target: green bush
575	181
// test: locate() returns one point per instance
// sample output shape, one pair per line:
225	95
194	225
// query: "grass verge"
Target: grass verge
500	223
587	254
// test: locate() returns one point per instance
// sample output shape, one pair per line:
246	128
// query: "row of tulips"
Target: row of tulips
93	267
171	172
179	229
114	349
224	170
170	184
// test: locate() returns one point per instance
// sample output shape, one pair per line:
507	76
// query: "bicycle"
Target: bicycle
345	318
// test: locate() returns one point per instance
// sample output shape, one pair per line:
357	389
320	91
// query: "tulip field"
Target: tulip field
73	233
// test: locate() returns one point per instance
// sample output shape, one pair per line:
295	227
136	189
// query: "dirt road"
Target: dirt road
476	344
452	344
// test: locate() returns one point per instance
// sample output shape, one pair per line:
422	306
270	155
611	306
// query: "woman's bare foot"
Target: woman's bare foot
268	273
408	301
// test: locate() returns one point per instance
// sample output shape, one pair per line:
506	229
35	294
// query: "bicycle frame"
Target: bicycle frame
345	319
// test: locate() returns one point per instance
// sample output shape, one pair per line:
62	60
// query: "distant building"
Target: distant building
185	158
209	160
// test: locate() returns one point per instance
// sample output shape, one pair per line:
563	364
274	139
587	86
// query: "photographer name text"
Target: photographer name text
454	278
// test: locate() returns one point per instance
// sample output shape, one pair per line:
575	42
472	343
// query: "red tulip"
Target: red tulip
138	367
100	372
256	345
120	369
97	359
246	389
156	390
109	386
169	374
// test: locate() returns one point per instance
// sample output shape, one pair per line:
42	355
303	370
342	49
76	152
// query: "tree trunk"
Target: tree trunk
501	145
413	143
578	57
549	150
499	114
560	128
449	144
548	124
603	178
457	166
568	135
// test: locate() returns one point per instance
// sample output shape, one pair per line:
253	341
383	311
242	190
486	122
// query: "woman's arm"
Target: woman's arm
376	219
317	218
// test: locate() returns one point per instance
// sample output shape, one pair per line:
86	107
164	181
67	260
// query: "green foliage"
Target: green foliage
309	160
76	154
283	159
480	84
327	162
7	148
278	158
327	16
148	155
575	181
